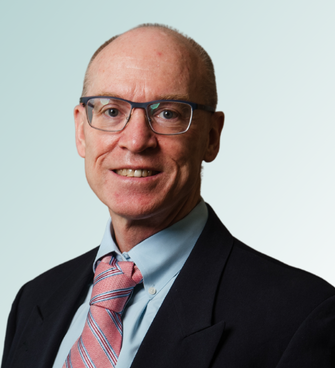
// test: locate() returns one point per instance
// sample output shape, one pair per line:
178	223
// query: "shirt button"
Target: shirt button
152	290
125	255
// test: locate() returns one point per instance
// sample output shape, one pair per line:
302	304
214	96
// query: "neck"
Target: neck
129	232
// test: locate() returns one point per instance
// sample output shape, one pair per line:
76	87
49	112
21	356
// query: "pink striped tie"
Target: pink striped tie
100	343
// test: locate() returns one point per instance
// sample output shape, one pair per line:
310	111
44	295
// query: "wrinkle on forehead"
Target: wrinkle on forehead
130	63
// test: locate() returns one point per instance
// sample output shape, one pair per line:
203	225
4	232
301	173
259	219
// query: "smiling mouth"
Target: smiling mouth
137	173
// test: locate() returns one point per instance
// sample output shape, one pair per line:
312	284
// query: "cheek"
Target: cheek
98	145
187	154
97	149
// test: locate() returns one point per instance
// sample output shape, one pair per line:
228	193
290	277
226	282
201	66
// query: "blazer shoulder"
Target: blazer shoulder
271	272
270	308
251	266
45	296
48	281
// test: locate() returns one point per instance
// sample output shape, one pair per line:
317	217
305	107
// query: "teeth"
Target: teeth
138	173
130	172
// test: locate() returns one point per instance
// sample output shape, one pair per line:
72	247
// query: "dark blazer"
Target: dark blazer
230	307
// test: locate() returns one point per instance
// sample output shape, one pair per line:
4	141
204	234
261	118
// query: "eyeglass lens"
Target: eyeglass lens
165	117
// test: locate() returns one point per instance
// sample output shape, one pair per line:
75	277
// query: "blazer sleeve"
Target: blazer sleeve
313	344
11	327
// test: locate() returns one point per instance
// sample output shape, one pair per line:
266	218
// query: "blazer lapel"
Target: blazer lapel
183	333
41	337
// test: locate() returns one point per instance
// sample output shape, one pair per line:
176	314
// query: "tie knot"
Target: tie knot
114	283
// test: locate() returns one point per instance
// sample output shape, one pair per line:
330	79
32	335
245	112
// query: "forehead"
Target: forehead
146	62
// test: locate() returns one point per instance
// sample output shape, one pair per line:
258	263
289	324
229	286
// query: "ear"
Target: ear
80	120
214	135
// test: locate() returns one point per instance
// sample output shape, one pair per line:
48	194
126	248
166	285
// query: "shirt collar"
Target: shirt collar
161	256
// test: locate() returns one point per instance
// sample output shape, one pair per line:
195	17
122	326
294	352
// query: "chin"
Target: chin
134	209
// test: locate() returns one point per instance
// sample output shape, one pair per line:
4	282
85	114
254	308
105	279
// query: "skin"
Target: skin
144	65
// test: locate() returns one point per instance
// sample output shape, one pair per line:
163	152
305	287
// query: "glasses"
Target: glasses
111	114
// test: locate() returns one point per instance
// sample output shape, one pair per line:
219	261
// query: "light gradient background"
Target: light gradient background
273	182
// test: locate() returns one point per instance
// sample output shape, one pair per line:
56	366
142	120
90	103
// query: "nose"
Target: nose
137	136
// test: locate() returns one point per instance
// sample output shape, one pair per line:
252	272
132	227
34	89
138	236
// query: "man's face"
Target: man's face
141	66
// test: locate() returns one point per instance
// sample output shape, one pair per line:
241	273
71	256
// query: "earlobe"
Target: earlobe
79	119
214	135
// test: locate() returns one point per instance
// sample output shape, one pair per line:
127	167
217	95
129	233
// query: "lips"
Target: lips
136	173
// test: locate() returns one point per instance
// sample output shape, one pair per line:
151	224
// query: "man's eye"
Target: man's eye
167	114
112	112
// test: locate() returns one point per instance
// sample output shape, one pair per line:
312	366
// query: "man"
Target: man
201	298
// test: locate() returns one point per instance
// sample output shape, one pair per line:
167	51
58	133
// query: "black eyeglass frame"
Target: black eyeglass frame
144	105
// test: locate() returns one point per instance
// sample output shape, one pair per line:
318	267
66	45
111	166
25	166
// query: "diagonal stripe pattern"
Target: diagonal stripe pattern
100	343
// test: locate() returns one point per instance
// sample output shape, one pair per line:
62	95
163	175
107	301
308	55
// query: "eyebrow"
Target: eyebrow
160	97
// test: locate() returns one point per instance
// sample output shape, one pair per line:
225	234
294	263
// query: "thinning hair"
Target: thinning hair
210	92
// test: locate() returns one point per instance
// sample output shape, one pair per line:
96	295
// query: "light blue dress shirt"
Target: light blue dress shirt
160	259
